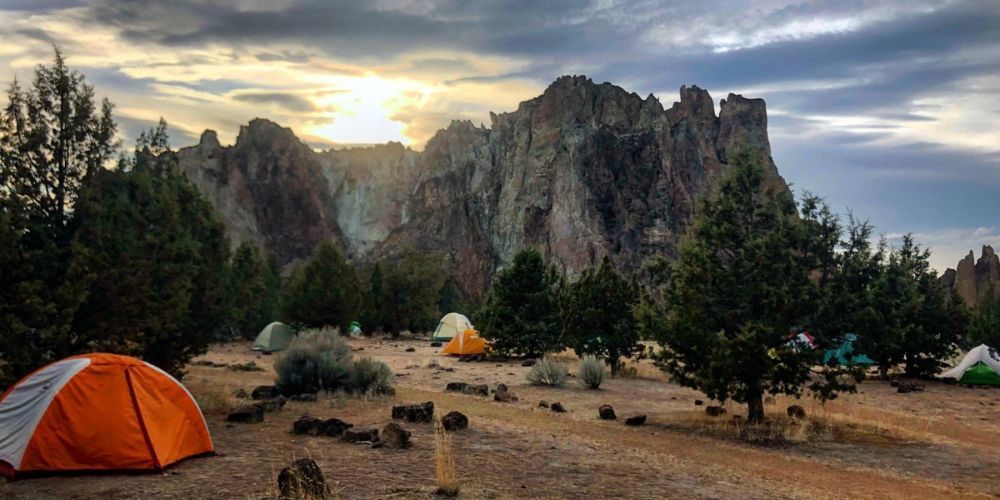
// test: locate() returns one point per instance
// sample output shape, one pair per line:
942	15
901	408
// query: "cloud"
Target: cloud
290	102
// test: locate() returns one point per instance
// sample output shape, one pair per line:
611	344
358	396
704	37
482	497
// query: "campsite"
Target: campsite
932	444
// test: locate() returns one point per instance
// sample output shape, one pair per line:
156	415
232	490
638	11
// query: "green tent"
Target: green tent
274	337
842	354
981	366
355	329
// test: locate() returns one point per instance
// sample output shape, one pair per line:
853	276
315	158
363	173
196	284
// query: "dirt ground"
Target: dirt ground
874	444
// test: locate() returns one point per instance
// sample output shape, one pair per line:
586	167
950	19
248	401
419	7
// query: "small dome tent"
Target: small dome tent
274	337
450	326
468	343
98	412
981	366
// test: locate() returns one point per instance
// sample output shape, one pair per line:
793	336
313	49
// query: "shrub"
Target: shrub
315	360
591	372
548	372
371	376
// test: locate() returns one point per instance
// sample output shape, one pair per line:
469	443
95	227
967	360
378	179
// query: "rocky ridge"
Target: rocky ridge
972	278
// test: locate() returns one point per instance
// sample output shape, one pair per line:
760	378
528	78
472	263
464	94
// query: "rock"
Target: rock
306	397
543	404
241	394
246	414
435	344
501	387
312	426
271	405
714	411
465	388
369	436
972	278
557	407
636	420
905	387
417	413
264	392
698	402
411	349
797	412
528	362
302	479
769	400
394	436
454	421
504	397
606	412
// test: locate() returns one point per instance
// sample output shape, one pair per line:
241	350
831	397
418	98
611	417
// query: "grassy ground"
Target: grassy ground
875	444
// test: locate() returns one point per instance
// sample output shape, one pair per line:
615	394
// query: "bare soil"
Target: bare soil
940	443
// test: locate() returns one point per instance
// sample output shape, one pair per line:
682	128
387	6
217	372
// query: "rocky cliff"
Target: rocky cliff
972	278
581	172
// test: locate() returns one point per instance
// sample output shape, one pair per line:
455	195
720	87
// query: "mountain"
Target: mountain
972	278
581	172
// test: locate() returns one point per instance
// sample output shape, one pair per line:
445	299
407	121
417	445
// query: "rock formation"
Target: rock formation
973	278
581	172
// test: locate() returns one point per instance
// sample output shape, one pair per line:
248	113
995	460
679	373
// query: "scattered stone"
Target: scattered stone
411	349
698	402
246	415
504	396
501	387
797	412
543	404
395	437
271	405
466	388
636	420
557	407
417	413
528	362
606	412
715	411
454	421
241	394
369	436
302	479
333	427
906	387
435	344
306	397
264	392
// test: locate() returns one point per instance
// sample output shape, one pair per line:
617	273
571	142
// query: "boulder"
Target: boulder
271	405
606	412
313	426
454	421
360	436
636	420
466	388
411	349
246	414
528	362
501	387
714	411
543	404
698	402
504	397
302	479
264	392
396	437
417	413
557	407
797	412
435	344
306	397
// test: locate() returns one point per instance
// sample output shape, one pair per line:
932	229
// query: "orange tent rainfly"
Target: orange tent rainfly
468	342
98	412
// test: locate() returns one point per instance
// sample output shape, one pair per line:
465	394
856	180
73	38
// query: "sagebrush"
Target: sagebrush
316	360
371	376
548	371
591	372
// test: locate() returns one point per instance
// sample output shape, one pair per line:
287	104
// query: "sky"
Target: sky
890	110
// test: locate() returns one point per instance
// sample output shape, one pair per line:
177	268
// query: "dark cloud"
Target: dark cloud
291	102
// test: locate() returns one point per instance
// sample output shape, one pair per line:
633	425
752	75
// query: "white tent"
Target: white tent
450	326
980	355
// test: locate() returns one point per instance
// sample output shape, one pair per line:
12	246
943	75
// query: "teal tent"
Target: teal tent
842	355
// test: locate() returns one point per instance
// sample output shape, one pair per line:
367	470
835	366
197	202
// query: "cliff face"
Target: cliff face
973	278
583	171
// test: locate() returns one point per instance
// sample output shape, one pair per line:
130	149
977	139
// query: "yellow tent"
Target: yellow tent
469	342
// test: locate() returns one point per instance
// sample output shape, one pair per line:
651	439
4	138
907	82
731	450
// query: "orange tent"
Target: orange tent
469	342
98	412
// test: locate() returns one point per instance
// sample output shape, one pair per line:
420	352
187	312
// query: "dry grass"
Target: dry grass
212	398
444	462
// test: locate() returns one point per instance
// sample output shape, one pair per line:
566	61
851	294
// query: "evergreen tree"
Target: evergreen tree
521	315
251	294
743	279
985	325
410	291
324	292
597	315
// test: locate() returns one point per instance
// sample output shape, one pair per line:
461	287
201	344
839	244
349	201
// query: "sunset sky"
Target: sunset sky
890	109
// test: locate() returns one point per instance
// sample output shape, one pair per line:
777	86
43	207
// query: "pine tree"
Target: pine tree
985	324
743	279
521	315
597	315
324	292
411	287
251	295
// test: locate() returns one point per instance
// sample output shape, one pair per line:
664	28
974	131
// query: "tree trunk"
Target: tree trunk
755	409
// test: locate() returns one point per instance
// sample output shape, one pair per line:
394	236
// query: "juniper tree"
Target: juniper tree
323	292
985	324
